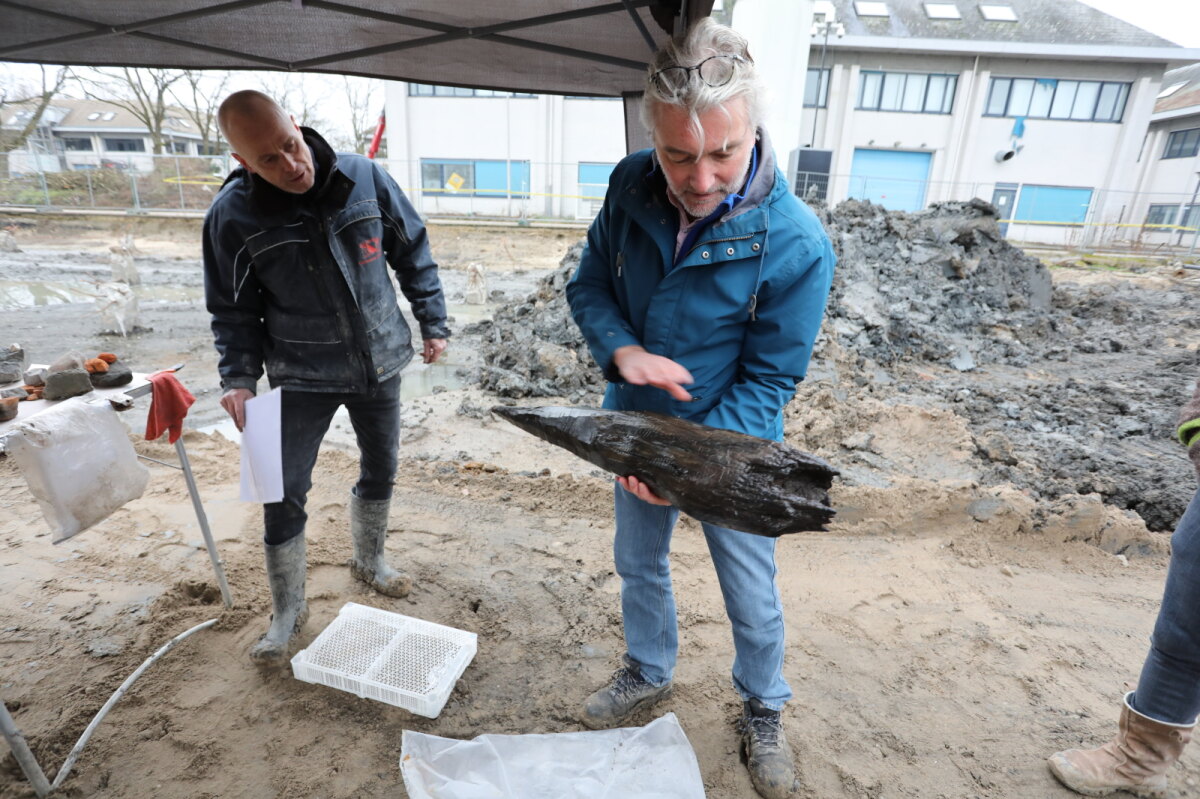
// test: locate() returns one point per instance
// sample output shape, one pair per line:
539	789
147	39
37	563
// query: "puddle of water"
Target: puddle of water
417	380
16	294
420	379
464	314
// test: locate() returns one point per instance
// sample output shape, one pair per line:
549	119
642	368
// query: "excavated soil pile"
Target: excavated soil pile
1064	388
533	348
941	285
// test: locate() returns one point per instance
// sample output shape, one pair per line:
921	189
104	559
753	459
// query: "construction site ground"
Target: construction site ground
983	598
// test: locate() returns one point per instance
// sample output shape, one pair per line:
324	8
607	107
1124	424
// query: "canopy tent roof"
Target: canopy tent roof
577	47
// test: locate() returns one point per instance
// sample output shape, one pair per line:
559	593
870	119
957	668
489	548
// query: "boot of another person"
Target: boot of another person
765	751
286	567
1136	760
368	528
626	693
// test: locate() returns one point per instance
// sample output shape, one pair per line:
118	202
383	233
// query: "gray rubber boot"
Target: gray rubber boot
286	567
368	527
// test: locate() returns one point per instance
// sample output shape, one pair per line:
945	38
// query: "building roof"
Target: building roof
1037	22
1180	90
65	113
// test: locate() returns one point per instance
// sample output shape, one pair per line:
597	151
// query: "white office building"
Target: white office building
1042	107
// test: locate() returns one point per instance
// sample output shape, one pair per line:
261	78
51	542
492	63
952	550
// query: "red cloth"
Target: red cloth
168	406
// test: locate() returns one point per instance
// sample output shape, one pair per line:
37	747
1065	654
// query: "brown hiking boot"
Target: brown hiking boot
1136	760
765	751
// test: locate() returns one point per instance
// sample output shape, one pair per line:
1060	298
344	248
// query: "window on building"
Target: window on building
870	8
816	88
427	90
1182	144
942	11
1191	218
125	145
1050	98
1162	214
1168	91
94	116
209	149
997	13
905	91
77	144
477	178
593	178
109	116
177	147
1061	204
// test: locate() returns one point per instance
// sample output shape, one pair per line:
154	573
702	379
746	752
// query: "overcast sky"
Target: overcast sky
1175	20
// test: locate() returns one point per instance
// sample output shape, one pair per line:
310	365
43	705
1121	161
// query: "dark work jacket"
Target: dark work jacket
300	284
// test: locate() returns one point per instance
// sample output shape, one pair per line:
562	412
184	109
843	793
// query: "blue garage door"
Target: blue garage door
895	180
1053	204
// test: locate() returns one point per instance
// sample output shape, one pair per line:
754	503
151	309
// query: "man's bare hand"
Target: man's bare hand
433	349
642	368
641	490
234	403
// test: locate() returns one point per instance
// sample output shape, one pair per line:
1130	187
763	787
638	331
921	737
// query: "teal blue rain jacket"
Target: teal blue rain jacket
739	309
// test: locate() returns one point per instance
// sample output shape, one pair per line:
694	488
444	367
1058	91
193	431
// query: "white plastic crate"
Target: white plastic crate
385	656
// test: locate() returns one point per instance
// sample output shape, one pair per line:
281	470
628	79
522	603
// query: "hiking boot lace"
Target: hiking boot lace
627	683
763	731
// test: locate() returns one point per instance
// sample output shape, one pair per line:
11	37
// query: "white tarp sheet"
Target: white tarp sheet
651	762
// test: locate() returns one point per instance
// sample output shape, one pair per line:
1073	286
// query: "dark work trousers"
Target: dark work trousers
306	418
1169	688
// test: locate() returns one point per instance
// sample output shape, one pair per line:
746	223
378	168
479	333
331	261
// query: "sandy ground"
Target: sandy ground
944	635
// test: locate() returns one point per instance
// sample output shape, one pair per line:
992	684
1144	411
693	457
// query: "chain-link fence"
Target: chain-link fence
1066	216
1070	217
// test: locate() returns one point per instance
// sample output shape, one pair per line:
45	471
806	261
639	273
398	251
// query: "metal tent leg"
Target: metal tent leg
20	749
201	517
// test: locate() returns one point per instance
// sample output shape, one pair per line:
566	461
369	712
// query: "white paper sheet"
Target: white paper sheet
262	449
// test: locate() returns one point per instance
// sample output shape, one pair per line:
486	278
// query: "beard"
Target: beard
699	208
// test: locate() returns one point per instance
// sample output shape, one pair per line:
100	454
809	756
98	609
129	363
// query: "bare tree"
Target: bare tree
295	94
33	100
201	98
364	117
141	92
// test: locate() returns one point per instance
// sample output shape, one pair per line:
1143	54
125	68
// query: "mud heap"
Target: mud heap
534	349
940	286
1063	390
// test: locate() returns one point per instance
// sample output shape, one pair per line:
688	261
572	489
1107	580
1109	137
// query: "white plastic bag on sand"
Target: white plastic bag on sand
79	464
651	762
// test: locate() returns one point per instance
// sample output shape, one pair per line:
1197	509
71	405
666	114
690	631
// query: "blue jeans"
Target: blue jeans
306	416
1169	688
745	567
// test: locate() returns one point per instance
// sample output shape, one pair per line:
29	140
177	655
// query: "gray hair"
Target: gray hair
706	38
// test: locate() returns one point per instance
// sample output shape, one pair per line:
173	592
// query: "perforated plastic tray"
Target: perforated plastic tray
385	656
